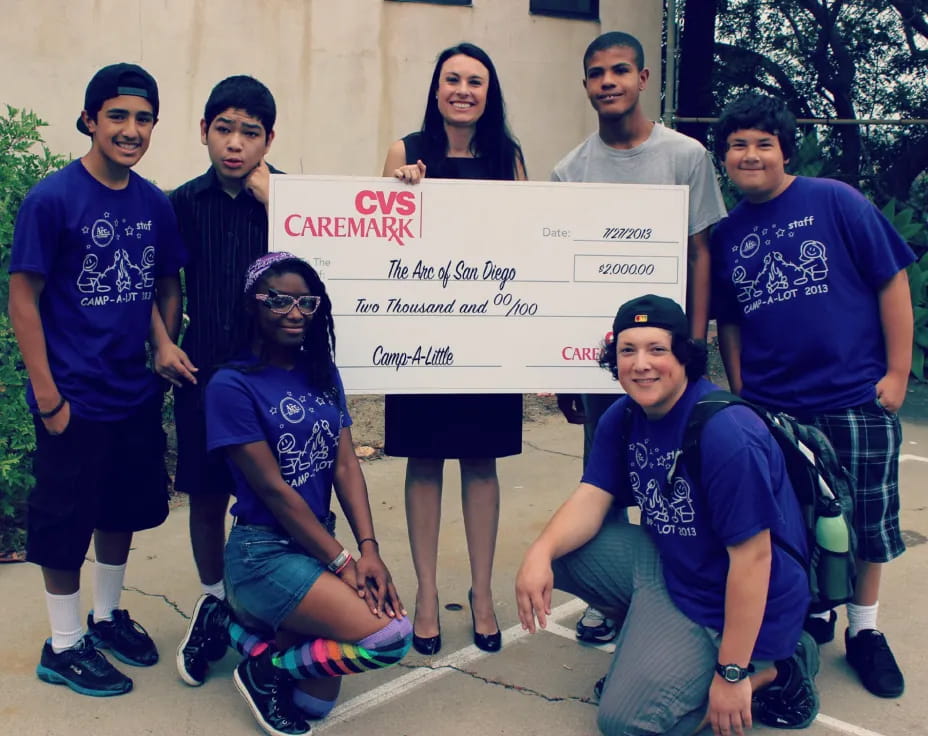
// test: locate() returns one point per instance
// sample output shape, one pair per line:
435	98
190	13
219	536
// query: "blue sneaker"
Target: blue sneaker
83	669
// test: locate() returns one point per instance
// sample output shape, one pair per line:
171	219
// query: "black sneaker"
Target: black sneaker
793	704
598	689
269	693
125	638
596	627
205	641
870	656
822	629
83	669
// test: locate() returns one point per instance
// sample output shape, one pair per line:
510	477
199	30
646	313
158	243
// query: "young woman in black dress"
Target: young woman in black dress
464	136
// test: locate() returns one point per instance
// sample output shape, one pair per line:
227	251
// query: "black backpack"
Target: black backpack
822	486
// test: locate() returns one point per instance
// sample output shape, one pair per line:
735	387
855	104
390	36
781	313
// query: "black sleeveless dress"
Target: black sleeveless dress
452	425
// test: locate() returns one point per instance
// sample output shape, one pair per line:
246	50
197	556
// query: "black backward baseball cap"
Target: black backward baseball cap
115	80
652	311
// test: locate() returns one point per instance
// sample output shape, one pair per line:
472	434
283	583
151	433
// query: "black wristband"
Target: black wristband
369	539
50	414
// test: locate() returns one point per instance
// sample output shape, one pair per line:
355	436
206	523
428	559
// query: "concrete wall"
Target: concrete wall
349	76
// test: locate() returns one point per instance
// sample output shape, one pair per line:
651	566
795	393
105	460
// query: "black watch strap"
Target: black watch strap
733	673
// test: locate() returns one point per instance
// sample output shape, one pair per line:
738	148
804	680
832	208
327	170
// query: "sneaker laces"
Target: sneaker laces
128	628
91	658
881	656
281	698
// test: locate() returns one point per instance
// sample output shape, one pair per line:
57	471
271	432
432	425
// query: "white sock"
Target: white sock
64	615
216	589
860	618
107	587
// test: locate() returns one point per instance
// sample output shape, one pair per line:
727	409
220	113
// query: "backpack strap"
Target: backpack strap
625	432
703	410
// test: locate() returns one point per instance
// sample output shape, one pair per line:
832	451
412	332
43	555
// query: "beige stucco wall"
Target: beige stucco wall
349	76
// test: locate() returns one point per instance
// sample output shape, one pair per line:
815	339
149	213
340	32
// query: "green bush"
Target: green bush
911	226
24	160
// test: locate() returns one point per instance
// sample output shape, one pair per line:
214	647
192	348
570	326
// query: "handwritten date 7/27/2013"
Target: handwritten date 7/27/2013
627	233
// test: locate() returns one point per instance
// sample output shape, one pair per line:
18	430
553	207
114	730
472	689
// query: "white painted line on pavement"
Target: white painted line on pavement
395	688
841	727
917	458
362	703
566	633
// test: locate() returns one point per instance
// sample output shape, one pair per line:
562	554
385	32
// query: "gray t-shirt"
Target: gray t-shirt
666	157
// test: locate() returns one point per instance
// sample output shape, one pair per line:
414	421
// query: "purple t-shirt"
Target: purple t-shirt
801	275
744	490
300	423
100	251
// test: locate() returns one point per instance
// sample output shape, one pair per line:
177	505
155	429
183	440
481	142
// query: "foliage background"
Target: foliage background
24	160
827	59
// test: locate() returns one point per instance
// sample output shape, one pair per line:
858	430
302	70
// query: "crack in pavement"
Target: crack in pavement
163	597
507	685
550	452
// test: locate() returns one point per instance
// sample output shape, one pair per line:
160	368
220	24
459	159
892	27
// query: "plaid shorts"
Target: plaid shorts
867	439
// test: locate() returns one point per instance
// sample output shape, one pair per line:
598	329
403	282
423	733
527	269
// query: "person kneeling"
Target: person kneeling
711	606
278	412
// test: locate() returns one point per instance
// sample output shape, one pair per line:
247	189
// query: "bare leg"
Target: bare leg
330	610
112	548
208	534
423	517
867	591
480	501
61	582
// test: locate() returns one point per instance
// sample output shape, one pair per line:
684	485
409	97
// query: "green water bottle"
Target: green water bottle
831	529
833	569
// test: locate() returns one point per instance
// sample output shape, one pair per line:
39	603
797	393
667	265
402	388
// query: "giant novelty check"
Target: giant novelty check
458	286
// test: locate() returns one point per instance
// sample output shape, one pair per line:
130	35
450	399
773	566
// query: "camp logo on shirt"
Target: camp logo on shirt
119	274
673	515
300	462
765	273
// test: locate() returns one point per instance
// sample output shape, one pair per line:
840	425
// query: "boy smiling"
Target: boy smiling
815	319
628	148
95	248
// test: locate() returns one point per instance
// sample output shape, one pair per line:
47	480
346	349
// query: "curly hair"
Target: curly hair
692	354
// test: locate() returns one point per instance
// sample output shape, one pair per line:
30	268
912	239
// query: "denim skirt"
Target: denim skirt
267	573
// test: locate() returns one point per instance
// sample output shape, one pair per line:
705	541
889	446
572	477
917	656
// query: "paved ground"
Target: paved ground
537	685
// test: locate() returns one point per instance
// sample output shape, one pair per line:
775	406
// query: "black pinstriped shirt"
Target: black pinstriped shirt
223	236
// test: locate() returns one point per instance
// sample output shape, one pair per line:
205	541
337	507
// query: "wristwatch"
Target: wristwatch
732	672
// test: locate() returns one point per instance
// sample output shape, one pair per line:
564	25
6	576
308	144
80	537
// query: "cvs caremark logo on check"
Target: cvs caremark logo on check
393	216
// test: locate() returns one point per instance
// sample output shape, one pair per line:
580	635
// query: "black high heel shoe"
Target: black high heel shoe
486	642
427	645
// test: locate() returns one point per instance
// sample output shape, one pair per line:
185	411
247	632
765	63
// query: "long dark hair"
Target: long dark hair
317	352
492	141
